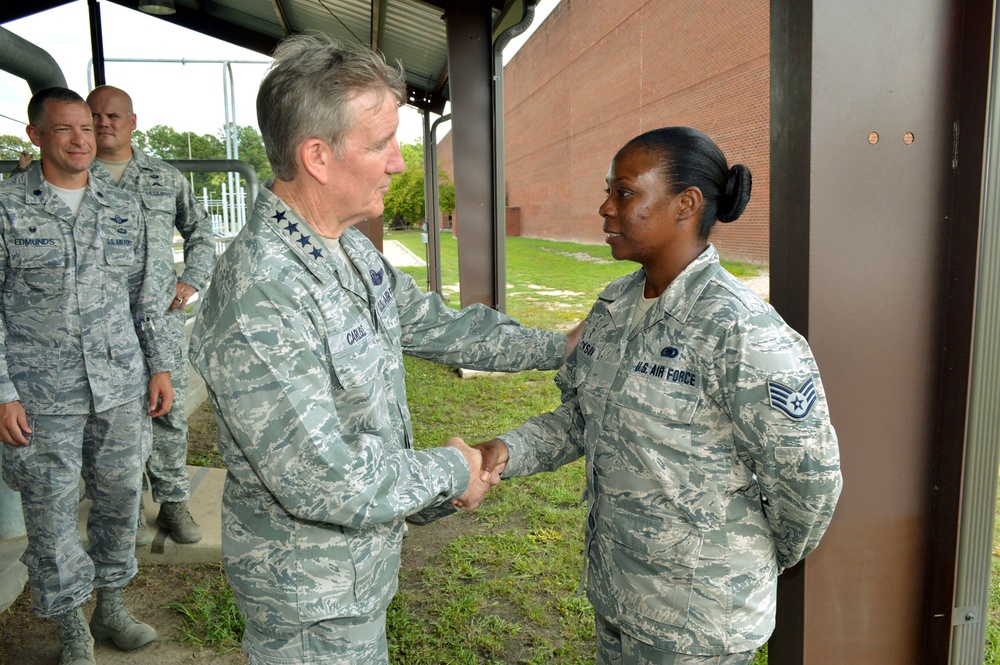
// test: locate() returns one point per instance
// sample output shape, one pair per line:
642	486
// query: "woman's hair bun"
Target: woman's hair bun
734	200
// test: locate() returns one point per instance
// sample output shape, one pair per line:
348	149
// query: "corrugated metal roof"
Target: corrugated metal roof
409	31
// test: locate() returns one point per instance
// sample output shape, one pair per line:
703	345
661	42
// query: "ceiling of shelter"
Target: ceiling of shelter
410	31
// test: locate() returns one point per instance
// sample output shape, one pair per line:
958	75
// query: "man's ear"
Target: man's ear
690	203
34	135
316	157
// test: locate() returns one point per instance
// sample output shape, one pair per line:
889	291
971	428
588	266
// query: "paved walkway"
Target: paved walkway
400	256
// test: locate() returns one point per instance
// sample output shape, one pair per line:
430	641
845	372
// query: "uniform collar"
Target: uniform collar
37	190
679	298
301	239
141	165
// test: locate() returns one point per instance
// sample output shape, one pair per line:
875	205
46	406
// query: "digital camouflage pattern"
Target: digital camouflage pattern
79	305
170	205
81	310
303	361
47	473
711	460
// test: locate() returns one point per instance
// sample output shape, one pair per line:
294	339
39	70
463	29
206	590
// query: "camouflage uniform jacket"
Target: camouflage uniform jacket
303	362
711	460
79	304
169	203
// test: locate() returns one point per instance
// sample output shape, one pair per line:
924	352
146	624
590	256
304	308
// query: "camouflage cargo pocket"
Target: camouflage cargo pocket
655	563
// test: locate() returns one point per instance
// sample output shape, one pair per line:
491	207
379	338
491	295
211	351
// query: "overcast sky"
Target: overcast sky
187	97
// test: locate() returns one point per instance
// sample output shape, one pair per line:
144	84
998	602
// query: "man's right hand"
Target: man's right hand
477	489
13	424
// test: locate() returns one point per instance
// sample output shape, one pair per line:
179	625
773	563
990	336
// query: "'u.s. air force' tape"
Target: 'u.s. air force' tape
796	403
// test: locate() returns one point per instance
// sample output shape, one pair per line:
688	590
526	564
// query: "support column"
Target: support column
470	68
876	166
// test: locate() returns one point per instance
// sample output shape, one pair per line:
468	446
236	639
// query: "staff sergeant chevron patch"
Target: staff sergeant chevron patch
796	403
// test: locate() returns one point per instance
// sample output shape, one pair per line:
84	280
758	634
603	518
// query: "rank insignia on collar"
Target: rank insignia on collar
118	219
796	403
377	277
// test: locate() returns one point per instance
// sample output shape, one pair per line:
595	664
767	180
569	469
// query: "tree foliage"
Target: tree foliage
167	143
11	147
404	202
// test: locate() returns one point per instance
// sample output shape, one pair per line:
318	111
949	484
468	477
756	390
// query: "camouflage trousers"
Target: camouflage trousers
333	642
167	463
106	450
617	648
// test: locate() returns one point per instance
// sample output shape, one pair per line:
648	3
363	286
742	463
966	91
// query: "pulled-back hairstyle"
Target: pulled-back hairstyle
306	92
36	105
688	158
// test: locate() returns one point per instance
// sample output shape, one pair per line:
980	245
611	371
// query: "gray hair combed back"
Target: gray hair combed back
306	92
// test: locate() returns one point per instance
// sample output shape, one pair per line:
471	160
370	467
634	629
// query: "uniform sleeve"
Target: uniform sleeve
8	393
782	431
548	441
269	374
146	301
476	337
195	226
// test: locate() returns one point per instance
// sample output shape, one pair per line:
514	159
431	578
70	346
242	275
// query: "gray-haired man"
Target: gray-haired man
300	341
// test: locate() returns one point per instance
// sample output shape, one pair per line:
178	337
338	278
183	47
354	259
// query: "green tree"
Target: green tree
404	202
11	147
167	143
252	151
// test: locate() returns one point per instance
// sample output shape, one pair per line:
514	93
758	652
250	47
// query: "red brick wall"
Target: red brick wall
598	72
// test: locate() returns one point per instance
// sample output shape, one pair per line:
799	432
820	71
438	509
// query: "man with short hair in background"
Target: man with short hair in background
81	333
169	204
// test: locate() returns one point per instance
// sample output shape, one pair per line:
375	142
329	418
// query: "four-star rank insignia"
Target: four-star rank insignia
305	241
796	403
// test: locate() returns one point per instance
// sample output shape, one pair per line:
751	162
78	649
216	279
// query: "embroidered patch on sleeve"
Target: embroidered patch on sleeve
796	403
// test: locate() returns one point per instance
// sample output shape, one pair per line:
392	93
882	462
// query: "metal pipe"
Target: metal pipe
223	166
29	62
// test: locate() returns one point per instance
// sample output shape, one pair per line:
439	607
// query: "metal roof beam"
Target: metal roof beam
11	11
378	22
279	12
207	24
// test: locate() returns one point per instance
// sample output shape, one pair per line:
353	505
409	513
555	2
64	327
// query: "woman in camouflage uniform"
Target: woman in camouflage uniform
711	461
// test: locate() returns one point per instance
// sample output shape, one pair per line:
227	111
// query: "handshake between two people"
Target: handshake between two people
486	462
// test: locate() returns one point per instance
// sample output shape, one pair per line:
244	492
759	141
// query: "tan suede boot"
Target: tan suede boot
77	642
111	621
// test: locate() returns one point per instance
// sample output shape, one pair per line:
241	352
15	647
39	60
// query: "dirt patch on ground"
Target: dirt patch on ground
28	640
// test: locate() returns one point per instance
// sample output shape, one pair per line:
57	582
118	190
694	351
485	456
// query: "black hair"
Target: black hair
688	158
36	105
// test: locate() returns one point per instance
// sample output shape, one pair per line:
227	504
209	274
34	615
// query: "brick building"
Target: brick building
598	72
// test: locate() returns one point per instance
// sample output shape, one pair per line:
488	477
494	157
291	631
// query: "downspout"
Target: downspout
499	174
29	62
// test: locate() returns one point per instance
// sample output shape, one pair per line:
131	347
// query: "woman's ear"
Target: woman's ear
316	158
690	203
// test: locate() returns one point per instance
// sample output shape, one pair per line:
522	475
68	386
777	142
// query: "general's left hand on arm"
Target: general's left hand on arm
161	394
182	295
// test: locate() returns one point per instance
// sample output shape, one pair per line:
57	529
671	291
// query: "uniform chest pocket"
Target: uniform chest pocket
160	200
658	398
119	255
38	270
355	358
